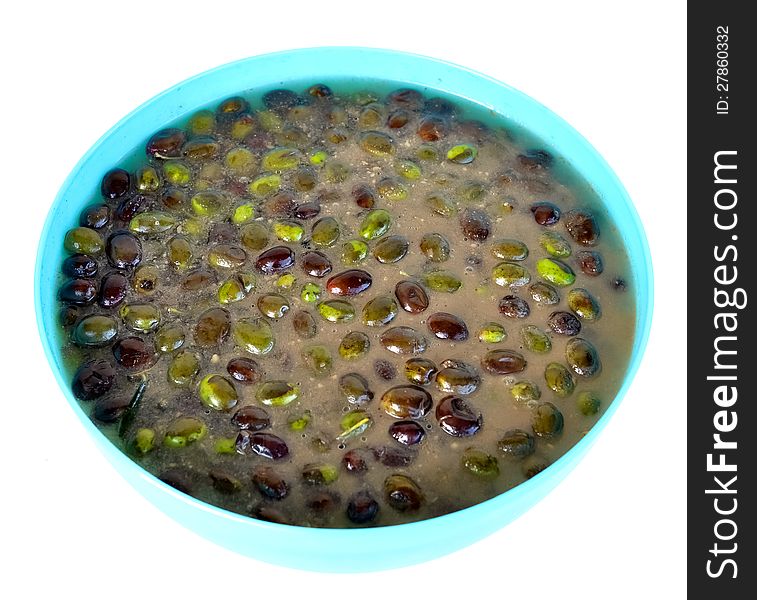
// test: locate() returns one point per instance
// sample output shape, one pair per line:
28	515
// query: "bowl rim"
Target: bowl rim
645	305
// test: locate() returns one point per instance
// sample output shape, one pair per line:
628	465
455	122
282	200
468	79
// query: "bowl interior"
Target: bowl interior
359	67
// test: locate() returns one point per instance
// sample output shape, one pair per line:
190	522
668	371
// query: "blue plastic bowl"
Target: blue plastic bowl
342	550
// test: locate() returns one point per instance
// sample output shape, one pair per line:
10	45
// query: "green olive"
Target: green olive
336	311
254	335
354	252
588	403
462	154
277	393
265	184
140	317
555	244
510	250
581	302
525	392
375	224
95	330
144	440
442	281
254	236
440	205
179	252
288	231
311	292
152	222
301	422
183	368
147	179
169	338
390	188
203	122
547	420
377	143
354	423
244	213
208	203
379	311
480	463
335	172
83	240
435	247
354	345
217	392
555	272
177	173
240	161
407	169
325	232
509	274
535	340
559	380
318	360
184	431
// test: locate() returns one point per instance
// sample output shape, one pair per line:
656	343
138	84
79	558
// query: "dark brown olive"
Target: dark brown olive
201	279
439	106
545	213
362	508
534	160
432	129
323	501
244	370
93	379
275	260
517	443
349	283
263	444
582	227
280	100
514	307
403	340
174	198
95	217
113	289
166	143
270	483
177	479
79	265
384	369
364	196
391	456
408	433
457	377
356	460
130	206
316	264
224	482
476	224
503	362
319	90
253	418
109	409
406	402
212	327
406	97
115	184
590	262
355	388
68	315
133	353
397	119
447	326
304	324
411	296
78	291
564	323
391	249
222	233
282	204
402	493
270	514
307	210
456	417
123	250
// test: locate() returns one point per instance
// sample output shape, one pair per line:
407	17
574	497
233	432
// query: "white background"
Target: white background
70	527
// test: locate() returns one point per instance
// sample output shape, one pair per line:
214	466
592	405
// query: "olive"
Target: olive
349	283
564	323
536	159
269	483
355	388
402	493
584	304
270	514
167	143
582	227
535	340
232	107
375	224
407	169
316	264
492	333
304	180
212	328
83	240
319	90
509	274
363	195
95	330
462	154
379	311
447	326
217	392
411	296
278	205
253	418
244	370
420	370
147	180
254	335
318	360
590	262
303	324
432	129
95	217
307	210
110	409
143	318
201	149
582	357
475	224
144	440
130	206
203	122
319	474
514	307
115	184
236	288
179	252
503	362
545	213
555	245
133	353
223	233
362	508
390	188
510	250
298	423
442	281
480	463
275	260
169	338
200	279
323	501
392	456
391	249
280	100
177	480
588	403
123	250
183	431
277	393
78	291
410	99
525	392
183	368
397	119
79	265
226	256
456	417
384	370
261	443
547	420
68	315
559	379
376	143
274	306
174	198
354	345
336	311
403	340
145	280
440	205
516	443
435	247
406	402
354	461
93	379
555	272
407	432
254	236
224	482
457	377
543	293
